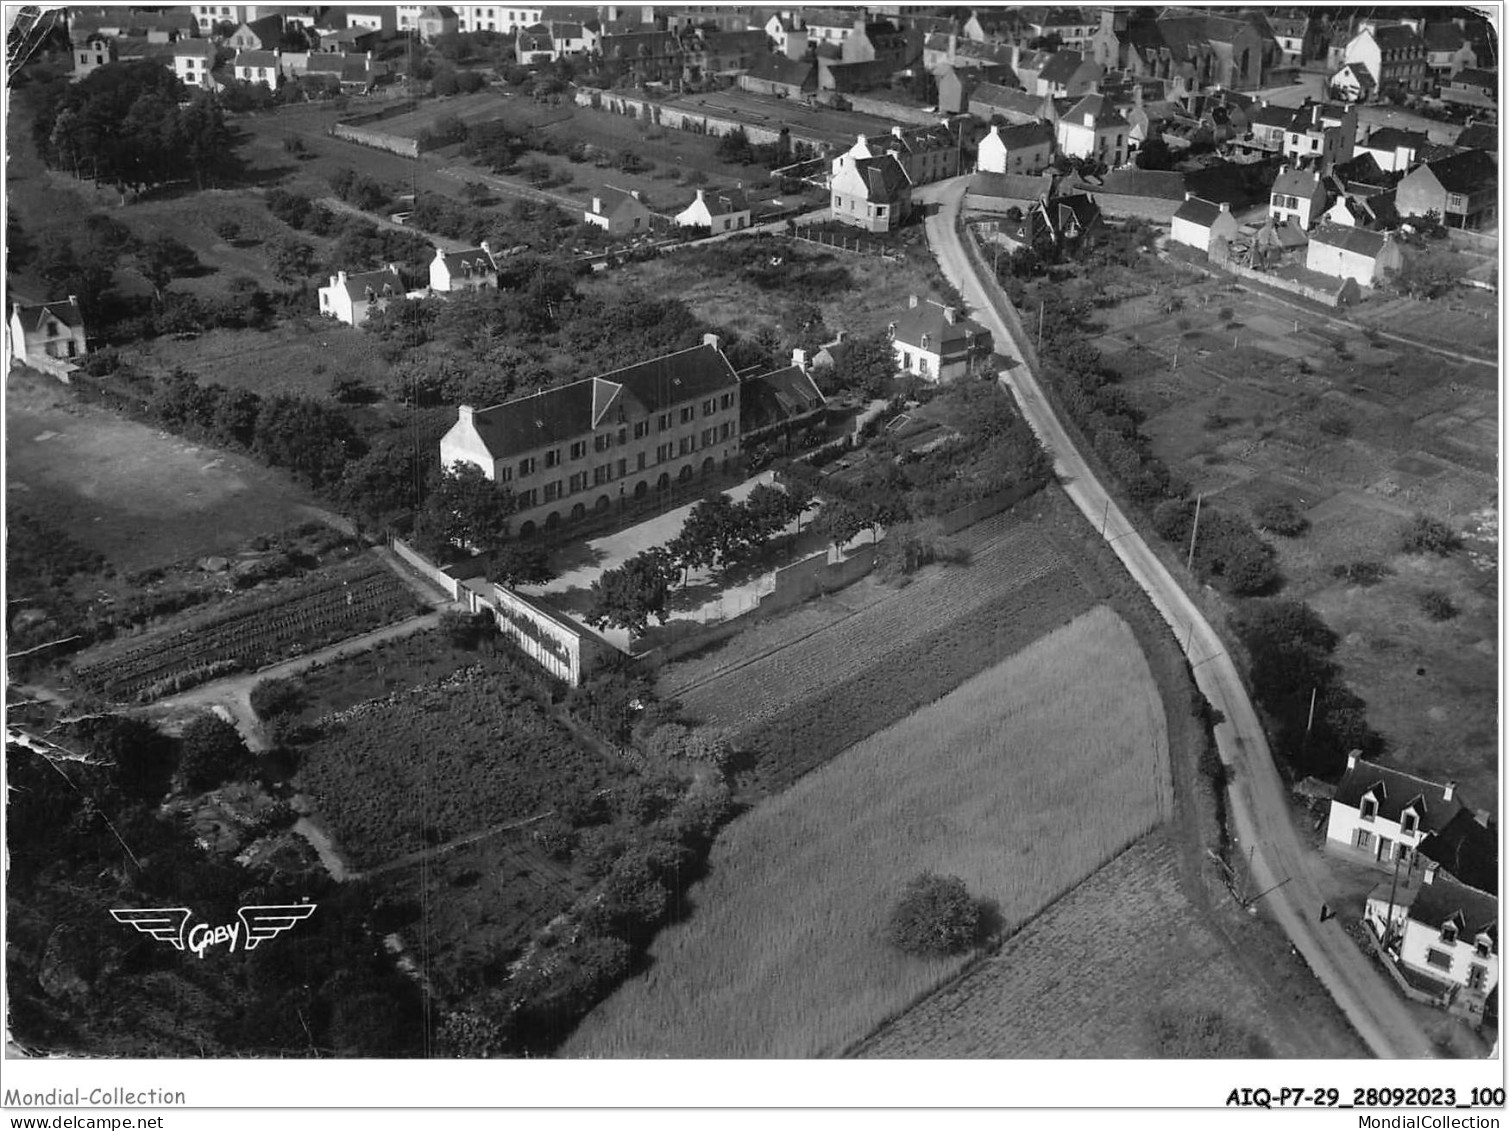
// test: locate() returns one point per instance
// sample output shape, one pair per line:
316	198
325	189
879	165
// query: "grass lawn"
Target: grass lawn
1022	781
138	496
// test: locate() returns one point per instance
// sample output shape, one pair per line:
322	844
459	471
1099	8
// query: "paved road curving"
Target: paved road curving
1259	808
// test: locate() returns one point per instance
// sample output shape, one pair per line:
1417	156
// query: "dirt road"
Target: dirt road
1298	876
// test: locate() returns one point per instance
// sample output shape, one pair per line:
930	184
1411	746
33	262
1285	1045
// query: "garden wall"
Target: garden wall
671	118
563	649
956	520
1344	292
446	580
895	111
375	139
1143	207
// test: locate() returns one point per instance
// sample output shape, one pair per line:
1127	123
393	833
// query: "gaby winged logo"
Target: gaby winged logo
258	923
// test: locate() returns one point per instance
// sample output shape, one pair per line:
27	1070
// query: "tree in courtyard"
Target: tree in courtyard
629	596
935	916
868	366
162	259
211	752
840	523
466	511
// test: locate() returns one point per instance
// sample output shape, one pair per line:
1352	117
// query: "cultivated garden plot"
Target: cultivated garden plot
1022	781
321	608
1146	978
1252	400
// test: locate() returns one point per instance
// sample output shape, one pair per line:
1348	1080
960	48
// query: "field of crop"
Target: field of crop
793	706
136	495
423	766
1022	781
319	609
1124	966
1266	401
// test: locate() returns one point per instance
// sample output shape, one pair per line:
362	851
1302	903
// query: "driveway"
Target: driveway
1294	876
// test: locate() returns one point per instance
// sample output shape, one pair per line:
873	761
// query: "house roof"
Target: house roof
1395	790
1358	241
1465	172
1297	182
1397	37
883	176
1008	186
789	72
1443	36
615	200
1270	116
564	29
245	57
1197	211
475	258
1480	136
358	68
326	62
1099	108
1446	900
1474	76
1360	72
1025	136
197	48
1061	67
997	96
266	29
1392	137
1467	848
357	284
536	38
994	54
928	319
65	311
771	398
1155	184
563	413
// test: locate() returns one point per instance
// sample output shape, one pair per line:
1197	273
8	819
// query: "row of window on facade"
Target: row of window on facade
579	481
604	472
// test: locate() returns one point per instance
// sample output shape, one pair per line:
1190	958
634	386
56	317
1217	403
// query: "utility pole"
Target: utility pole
1105	515
1040	327
1310	722
1189	564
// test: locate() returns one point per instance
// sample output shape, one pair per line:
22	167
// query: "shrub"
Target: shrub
1426	535
211	752
936	915
1437	605
1334	424
1281	516
271	698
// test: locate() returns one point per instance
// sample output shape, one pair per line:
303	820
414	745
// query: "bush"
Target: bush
272	698
1437	605
1281	516
1361	573
1426	535
1336	425
212	752
936	916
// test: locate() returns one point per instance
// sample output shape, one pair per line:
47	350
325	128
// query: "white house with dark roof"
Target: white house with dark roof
1394	149
258	66
1380	814
193	62
598	442
873	193
774	403
1094	128
1016	149
619	212
1068	74
265	33
1353	253
349	298
1298	196
49	329
1353	83
1322	134
1199	222
721	210
936	342
1393	54
1442	935
473	269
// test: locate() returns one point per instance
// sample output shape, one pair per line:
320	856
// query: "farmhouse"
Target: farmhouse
1442	935
928	154
1394	149
1467	847
1321	134
52	329
1393	54
989	100
1447	50
193	60
1199	222
1068	74
1054	223
258	66
774	402
723	211
1353	83
600	441
1094	128
778	75
1381	814
350	298
1353	253
1298	195
936	343
1461	189
471	270
264	34
873	193
1472	87
1016	149
619	211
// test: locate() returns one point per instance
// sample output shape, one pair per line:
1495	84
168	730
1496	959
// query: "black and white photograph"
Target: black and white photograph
961	537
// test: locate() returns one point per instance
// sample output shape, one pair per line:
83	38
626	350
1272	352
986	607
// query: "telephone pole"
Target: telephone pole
1189	564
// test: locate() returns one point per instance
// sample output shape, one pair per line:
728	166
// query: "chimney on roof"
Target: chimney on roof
911	302
1448	790
1482	817
843	336
340	276
1188	195
1429	875
950	314
799	359
712	340
1352	756
465	414
634	192
1225	206
897	131
483	245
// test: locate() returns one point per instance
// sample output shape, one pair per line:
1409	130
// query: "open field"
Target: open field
138	496
1124	966
1022	781
1266	401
